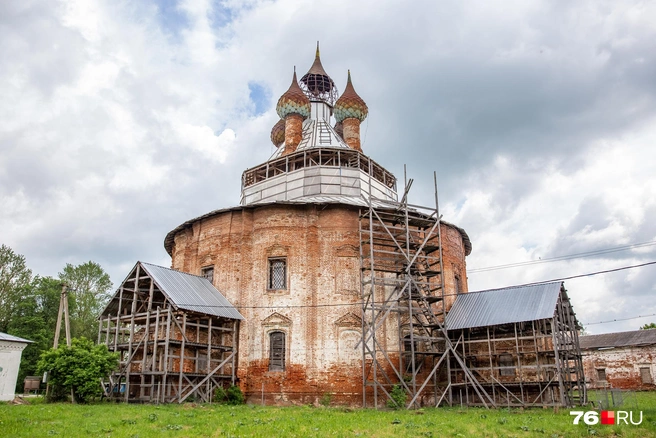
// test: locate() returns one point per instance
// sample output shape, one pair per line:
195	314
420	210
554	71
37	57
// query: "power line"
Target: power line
619	319
359	303
606	271
564	257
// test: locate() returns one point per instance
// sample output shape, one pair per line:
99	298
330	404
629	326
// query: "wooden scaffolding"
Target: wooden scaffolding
524	363
408	339
402	275
175	337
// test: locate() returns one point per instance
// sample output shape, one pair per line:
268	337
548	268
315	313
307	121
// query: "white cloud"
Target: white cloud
539	119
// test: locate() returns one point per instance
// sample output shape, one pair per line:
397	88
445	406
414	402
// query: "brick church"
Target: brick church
326	283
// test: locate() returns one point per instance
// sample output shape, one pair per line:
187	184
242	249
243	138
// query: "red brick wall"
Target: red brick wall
622	366
318	311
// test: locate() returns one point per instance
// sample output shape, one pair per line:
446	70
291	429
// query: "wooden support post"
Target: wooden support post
167	366
118	318
519	364
100	325
554	334
155	365
235	349
538	368
182	352
209	345
131	340
489	353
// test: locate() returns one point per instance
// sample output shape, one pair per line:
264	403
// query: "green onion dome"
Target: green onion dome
278	133
294	101
350	105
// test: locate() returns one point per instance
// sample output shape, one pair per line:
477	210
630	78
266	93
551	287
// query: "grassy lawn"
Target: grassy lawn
39	419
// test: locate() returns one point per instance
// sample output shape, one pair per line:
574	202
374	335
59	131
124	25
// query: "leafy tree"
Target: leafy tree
15	277
78	368
651	325
34	318
90	288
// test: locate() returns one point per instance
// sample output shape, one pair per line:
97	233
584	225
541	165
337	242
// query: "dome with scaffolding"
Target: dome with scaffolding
316	83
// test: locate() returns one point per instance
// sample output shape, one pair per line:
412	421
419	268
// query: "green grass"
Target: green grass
39	419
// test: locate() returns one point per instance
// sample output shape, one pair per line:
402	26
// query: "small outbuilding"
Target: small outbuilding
11	350
622	360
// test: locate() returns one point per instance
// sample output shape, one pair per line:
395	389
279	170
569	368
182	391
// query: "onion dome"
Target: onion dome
350	105
278	133
294	101
317	84
339	129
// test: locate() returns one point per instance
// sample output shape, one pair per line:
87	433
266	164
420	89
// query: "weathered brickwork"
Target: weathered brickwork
318	311
621	367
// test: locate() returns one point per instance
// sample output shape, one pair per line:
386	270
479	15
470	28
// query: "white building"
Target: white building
11	349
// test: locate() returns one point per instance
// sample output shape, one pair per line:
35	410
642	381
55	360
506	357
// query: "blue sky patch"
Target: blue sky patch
172	19
260	96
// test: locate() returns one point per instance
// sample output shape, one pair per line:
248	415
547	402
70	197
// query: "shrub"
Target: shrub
231	396
220	395
398	398
79	368
326	399
235	396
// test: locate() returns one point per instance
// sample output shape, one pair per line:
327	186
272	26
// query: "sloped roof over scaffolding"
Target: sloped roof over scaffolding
504	306
185	291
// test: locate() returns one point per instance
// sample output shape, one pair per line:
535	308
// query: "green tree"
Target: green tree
15	278
79	368
651	325
90	288
34	318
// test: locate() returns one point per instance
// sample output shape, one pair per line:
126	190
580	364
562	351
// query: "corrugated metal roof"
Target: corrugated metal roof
191	292
317	133
11	338
619	339
503	306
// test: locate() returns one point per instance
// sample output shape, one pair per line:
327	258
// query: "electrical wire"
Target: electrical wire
619	319
564	257
359	303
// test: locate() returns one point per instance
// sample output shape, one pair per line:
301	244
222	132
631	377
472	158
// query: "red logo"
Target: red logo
607	417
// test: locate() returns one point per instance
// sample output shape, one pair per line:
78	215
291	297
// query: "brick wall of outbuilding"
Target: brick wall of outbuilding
622	367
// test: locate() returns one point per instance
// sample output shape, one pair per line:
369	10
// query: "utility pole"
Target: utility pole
63	314
63	310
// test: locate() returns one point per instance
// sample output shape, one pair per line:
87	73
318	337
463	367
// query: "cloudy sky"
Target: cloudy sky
121	120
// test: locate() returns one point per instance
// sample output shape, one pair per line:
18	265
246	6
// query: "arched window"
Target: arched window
277	351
